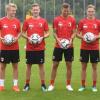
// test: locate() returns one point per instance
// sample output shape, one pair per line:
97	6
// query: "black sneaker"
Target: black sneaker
43	87
26	87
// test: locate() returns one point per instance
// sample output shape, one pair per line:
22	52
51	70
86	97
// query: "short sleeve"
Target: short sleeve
19	27
74	24
80	26
55	23
46	28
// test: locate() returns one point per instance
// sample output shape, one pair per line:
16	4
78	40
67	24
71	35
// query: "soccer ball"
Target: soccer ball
8	39
34	38
65	43
88	37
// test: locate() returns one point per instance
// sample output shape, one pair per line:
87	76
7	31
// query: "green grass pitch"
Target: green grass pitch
60	92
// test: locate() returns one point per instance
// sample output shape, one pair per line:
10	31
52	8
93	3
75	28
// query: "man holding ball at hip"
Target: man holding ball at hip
88	32
9	35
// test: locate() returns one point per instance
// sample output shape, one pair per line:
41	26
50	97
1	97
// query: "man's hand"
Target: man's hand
40	40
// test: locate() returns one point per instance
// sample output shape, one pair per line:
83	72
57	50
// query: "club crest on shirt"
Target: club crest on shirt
40	24
69	24
5	26
14	26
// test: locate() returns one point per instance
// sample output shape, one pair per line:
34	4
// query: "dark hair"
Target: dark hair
65	5
35	4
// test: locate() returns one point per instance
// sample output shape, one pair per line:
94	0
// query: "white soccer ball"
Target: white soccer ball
34	38
88	37
65	43
8	39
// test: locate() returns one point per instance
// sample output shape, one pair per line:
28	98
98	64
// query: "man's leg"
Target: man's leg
15	77
94	58
94	76
83	76
54	72
2	75
53	75
42	77
69	57
84	58
69	72
57	57
28	75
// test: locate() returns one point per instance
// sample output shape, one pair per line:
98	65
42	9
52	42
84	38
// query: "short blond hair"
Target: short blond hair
91	6
10	5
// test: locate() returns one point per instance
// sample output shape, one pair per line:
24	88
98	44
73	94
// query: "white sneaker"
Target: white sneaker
51	88
69	88
94	89
82	88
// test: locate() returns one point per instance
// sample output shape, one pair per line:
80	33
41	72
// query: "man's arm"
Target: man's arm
55	36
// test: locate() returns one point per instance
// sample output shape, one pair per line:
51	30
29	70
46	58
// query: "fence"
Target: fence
50	8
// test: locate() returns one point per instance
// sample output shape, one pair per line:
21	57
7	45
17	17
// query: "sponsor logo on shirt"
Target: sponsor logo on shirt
95	25
60	24
5	26
31	26
69	24
85	26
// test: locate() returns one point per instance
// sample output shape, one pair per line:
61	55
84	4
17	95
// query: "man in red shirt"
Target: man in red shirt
35	51
89	50
9	52
64	28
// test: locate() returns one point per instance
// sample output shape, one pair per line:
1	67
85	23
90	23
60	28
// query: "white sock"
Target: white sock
1	82
15	82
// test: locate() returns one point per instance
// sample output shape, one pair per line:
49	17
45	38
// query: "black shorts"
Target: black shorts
68	54
93	55
35	57
7	56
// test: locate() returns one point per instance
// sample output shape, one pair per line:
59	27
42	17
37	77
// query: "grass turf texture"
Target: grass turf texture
60	92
